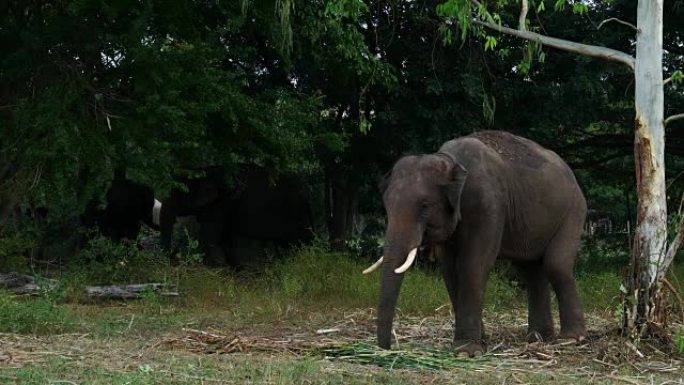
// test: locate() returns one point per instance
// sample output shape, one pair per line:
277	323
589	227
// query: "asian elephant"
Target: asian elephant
206	199
485	196
256	210
128	205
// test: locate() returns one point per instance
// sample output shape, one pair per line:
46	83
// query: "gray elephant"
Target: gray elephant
481	197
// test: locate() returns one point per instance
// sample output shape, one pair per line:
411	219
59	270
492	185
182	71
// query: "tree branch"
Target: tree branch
675	245
667	80
634	27
523	16
673	118
565	45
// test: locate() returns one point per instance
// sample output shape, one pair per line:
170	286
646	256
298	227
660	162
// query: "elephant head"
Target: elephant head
422	200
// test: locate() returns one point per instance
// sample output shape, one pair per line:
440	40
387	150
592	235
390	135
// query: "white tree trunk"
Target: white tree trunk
649	145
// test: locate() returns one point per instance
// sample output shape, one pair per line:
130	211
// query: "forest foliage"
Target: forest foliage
331	90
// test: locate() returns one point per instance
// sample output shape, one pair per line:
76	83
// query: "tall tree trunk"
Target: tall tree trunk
649	155
341	199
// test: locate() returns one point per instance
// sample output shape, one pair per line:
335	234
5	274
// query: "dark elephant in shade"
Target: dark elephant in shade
128	205
206	199
481	197
256	209
277	211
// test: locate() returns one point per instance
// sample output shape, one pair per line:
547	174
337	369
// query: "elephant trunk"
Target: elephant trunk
395	256
389	293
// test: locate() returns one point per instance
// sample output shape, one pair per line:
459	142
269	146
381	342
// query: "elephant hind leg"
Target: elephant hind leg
539	320
559	264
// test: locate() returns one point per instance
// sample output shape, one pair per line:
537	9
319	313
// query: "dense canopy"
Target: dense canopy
333	91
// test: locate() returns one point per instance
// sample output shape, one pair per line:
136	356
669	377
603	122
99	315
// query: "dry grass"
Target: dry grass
604	357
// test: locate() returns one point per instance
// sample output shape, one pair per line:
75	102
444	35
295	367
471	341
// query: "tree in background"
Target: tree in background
333	90
87	86
651	257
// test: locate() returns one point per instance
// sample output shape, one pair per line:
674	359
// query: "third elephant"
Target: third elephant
259	209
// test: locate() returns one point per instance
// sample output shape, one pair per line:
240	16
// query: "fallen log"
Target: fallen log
130	291
26	284
23	284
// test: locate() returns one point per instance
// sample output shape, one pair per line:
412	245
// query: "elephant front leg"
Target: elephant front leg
447	257
478	247
468	325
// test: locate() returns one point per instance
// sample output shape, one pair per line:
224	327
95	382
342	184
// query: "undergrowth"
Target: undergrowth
42	315
308	280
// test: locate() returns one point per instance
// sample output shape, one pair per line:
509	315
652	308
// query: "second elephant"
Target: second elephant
257	210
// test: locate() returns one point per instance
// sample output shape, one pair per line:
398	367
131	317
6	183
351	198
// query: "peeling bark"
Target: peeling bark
650	240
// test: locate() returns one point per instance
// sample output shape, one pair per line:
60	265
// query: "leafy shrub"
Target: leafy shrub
603	255
15	247
104	261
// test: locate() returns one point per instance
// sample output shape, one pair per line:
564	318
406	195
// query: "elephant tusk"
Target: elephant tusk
409	261
374	266
156	212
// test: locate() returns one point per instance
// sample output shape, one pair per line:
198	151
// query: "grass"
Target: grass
35	316
232	370
272	317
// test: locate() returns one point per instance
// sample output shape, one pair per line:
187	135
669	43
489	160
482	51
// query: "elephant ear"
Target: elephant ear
454	189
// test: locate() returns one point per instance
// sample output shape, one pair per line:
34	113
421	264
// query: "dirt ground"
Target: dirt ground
341	350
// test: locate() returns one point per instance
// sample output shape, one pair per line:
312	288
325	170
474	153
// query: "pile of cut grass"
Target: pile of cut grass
408	358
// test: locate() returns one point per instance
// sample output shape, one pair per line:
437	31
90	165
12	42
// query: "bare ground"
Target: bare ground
604	357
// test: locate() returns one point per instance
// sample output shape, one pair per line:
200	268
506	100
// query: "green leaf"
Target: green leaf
490	43
559	5
541	7
677	77
580	9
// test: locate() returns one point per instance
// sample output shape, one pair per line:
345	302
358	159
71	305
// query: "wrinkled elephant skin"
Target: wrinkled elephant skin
481	197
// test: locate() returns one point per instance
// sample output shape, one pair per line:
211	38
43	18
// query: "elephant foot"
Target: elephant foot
577	334
468	348
539	335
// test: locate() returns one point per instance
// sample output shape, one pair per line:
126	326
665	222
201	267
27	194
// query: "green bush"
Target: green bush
602	255
15	247
103	261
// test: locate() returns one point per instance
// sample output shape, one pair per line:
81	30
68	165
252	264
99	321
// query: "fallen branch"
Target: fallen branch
26	284
677	296
128	291
23	284
674	245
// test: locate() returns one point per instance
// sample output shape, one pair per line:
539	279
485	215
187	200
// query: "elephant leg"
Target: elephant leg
540	322
211	242
449	272
474	260
559	263
167	219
